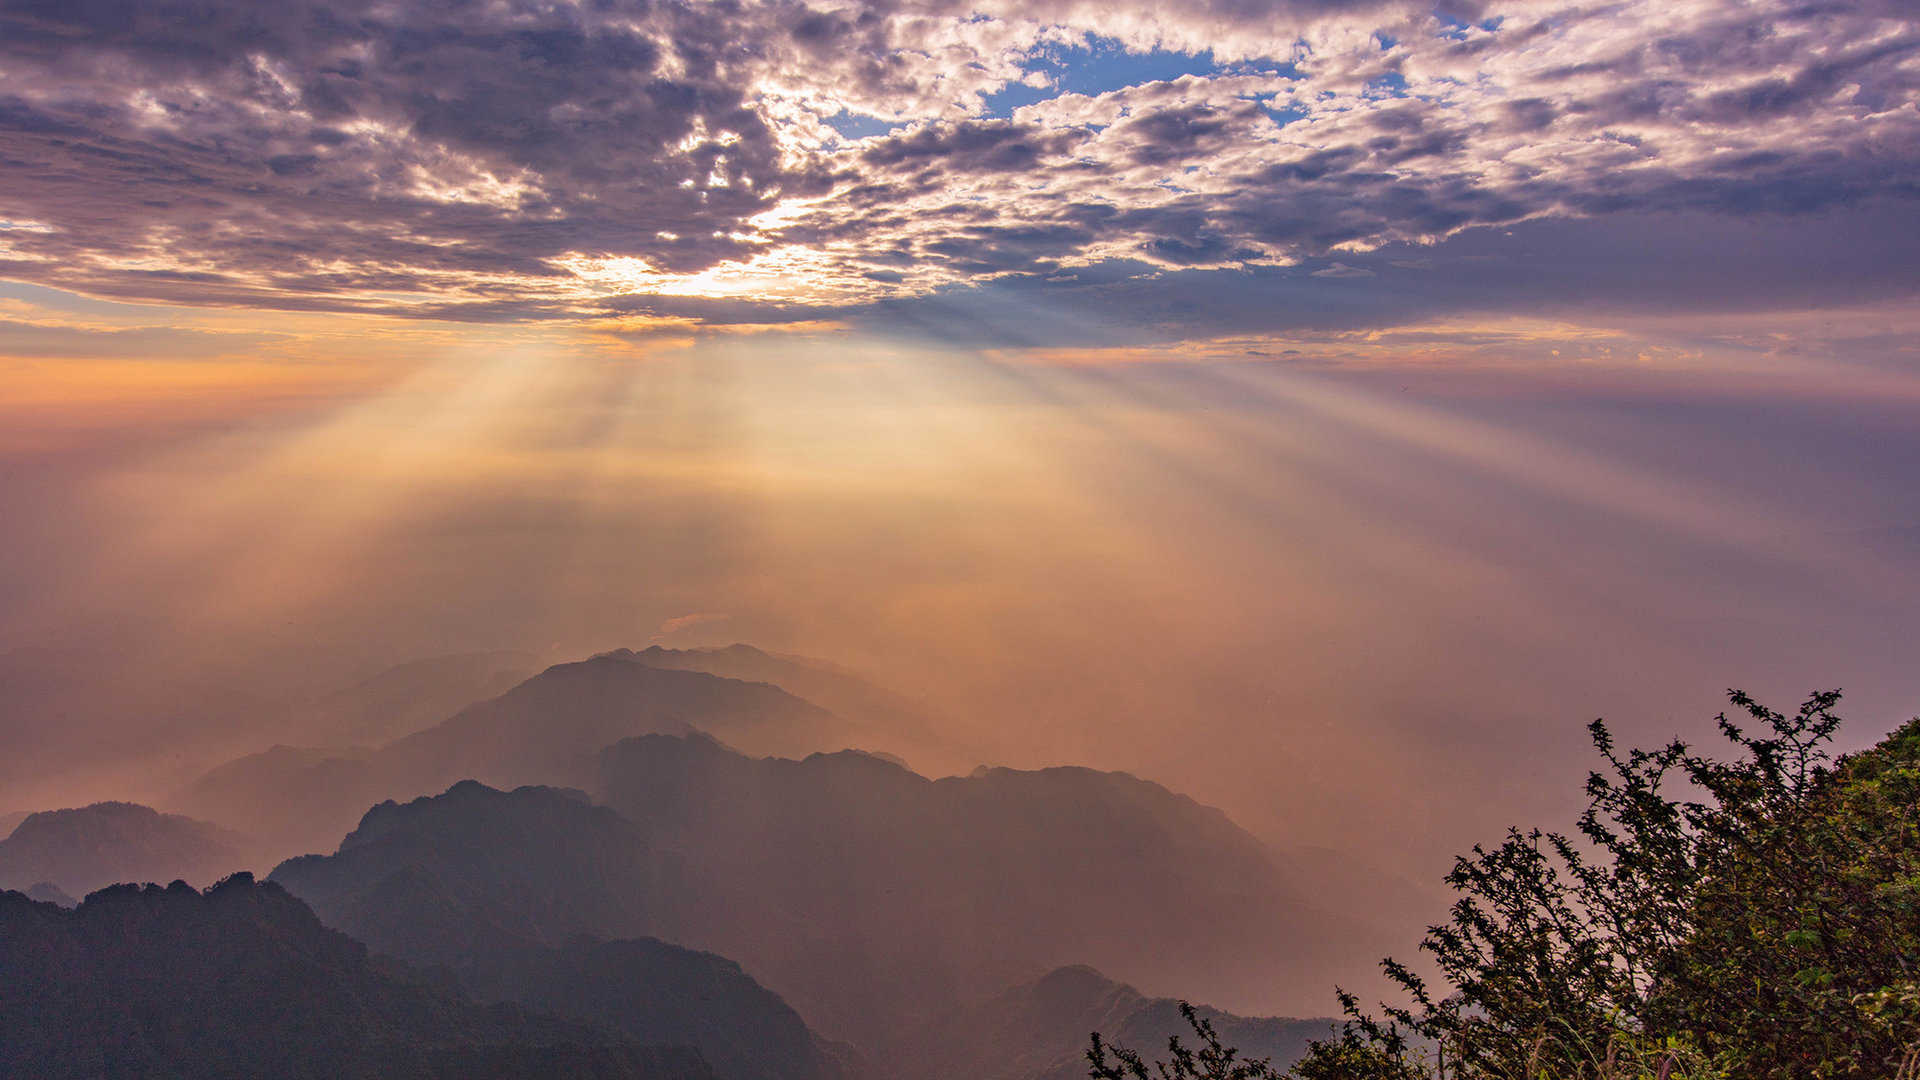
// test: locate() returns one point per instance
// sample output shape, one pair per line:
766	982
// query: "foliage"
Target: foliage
1805	943
1752	916
1212	1061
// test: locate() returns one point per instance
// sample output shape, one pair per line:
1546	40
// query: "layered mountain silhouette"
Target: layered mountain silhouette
879	719
1039	1030
513	892
545	730
873	899
816	680
653	991
554	724
242	981
83	849
452	878
651	849
876	899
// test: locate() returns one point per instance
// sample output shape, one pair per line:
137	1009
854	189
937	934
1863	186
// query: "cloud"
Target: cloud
537	161
1582	270
35	339
680	623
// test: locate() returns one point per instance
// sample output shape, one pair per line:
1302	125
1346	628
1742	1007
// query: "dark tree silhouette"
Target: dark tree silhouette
1753	916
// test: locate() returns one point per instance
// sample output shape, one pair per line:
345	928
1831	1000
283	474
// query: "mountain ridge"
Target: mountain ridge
537	896
81	849
243	980
857	888
544	730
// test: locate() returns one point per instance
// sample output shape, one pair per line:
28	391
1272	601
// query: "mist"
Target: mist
1362	610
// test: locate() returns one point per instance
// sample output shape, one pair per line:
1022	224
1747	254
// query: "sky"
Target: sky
1325	408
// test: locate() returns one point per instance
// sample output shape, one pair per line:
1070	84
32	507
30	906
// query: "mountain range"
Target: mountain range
545	730
874	899
673	847
877	899
878	719
243	981
516	893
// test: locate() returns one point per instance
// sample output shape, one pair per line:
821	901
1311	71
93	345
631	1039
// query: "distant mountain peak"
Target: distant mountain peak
80	849
109	808
737	649
1077	975
46	892
465	797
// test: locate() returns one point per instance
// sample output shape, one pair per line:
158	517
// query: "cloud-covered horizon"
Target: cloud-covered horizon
670	164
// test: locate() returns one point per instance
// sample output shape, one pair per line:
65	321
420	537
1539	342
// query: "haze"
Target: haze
1322	410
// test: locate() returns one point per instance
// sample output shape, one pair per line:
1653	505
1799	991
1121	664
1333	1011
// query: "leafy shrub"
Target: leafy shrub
1754	916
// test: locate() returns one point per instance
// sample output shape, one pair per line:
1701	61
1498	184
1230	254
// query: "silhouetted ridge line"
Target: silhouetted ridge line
878	900
443	878
514	892
80	850
878	718
1038	1029
545	730
243	981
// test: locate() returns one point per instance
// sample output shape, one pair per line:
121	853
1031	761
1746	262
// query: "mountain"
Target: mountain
815	680
10	821
548	729
512	892
242	980
879	719
873	899
652	991
878	900
448	878
84	849
545	730
1039	1030
47	892
291	794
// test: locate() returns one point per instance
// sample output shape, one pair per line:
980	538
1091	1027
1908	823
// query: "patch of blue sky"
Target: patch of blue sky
1284	116
1392	84
852	125
1455	28
1098	65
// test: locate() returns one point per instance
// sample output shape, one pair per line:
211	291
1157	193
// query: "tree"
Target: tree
1756	915
1212	1061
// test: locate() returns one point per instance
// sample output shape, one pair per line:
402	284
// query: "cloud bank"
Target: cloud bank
770	162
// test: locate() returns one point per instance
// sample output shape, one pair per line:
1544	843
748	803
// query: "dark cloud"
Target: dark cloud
1574	268
476	161
972	146
442	140
1177	134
